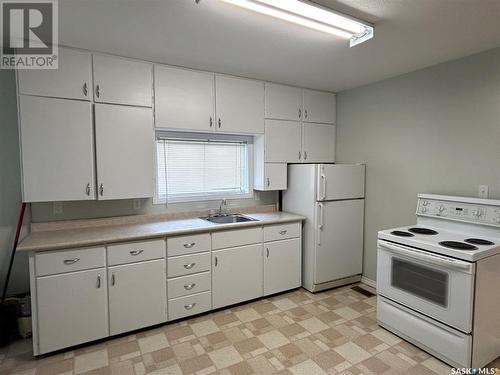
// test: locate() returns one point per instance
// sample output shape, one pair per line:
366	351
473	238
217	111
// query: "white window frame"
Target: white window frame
162	134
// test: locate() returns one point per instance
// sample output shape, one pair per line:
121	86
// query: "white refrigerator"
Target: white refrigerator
331	197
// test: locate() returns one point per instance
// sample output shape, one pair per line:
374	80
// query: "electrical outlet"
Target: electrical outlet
58	208
483	191
137	204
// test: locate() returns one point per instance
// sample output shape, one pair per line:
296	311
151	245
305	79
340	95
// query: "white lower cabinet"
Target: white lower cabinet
137	295
282	265
236	275
72	308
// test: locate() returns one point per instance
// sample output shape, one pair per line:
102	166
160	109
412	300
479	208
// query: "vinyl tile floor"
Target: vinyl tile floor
332	332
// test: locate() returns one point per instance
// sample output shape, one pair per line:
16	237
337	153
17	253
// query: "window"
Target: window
201	167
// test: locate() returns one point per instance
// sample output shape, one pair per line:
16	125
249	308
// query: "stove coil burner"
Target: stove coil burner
400	233
479	241
426	231
458	245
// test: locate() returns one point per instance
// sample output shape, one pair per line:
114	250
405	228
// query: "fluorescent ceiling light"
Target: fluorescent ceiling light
312	16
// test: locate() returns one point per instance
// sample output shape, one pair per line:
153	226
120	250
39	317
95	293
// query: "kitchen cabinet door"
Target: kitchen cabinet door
57	149
122	81
237	275
239	105
319	106
72	79
137	295
270	176
184	99
72	308
124	151
318	143
282	265
283	141
283	102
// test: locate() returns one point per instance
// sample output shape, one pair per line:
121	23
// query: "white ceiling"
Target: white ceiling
409	34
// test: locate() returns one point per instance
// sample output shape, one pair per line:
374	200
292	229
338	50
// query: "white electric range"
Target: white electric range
439	281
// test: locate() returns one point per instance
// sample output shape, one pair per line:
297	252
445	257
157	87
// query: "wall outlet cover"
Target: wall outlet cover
137	204
483	191
58	208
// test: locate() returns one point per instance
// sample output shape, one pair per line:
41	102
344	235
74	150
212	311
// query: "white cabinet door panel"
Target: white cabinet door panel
283	102
282	141
339	251
237	275
122	81
57	149
275	176
184	99
282	265
124	151
72	79
137	295
240	105
319	106
72	308
318	142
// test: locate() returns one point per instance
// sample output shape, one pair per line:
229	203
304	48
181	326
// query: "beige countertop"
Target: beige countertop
90	236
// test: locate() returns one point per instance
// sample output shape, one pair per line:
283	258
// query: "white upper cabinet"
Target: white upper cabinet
283	102
318	143
124	151
282	141
57	149
240	105
184	99
319	106
72	79
122	81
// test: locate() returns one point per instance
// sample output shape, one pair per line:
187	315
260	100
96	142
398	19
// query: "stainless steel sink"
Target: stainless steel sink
227	219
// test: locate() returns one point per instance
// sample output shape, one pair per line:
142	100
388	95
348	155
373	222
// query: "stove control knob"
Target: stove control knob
441	208
423	209
426	203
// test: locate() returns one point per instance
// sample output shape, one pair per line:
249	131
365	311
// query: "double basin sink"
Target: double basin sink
228	219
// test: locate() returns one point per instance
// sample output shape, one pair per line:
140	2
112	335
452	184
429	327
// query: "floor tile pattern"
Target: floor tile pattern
333	332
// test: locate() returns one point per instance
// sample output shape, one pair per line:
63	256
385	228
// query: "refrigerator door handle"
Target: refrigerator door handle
323	187
321	221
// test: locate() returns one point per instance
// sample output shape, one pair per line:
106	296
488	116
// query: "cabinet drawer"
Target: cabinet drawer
188	264
233	238
281	231
131	252
190	305
186	285
188	244
52	262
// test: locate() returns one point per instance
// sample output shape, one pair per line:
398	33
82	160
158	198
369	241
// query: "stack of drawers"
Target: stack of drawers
189	275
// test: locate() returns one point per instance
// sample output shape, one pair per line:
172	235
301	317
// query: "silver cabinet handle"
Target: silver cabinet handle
268	182
189	245
189	286
216	261
71	261
101	189
189	266
98	281
136	252
283	232
300	113
113	279
220	123
97	91
190	306
87	189
305	113
305	155
320	226
267	252
211	122
85	89
300	155
323	186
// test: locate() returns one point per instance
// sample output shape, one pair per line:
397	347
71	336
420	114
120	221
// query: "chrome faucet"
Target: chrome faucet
222	203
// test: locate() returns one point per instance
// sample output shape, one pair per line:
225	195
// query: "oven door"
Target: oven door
433	285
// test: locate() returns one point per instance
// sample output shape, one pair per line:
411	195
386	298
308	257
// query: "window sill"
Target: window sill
157	201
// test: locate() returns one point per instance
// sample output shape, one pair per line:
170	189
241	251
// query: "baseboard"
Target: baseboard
369	282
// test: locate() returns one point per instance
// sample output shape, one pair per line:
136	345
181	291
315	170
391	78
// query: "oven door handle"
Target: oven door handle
426	257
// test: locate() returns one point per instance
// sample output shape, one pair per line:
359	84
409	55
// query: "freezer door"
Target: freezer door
340	181
339	240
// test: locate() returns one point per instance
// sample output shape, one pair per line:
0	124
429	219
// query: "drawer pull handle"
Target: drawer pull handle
71	261
189	286
189	266
189	245
190	306
113	281
98	281
136	252
267	252
283	232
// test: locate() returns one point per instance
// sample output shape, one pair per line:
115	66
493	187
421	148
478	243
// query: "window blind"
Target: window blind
190	169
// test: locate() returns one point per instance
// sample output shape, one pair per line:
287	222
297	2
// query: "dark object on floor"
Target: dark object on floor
7	321
362	291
